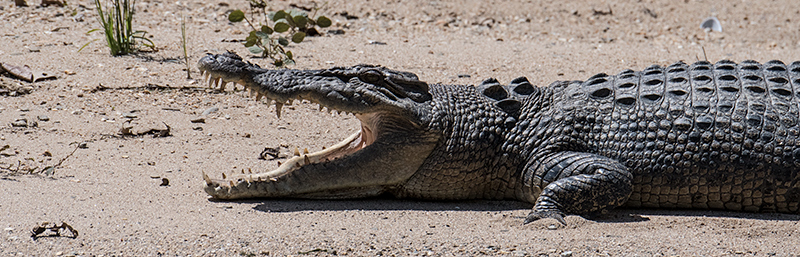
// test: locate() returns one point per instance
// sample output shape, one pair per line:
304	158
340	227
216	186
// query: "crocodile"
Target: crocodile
721	136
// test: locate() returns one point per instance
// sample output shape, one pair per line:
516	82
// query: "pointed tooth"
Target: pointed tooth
323	148
296	151
217	81
207	179
259	179
297	164
306	160
258	97
249	170
223	176
231	182
279	164
242	171
305	150
278	107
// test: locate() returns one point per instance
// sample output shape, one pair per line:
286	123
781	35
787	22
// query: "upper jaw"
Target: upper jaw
341	89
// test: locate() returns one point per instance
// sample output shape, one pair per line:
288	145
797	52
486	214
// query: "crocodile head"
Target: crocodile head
394	109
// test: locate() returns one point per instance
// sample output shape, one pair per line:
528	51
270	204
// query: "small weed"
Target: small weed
183	45
269	41
118	28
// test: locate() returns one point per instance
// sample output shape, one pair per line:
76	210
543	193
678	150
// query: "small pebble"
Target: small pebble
210	110
77	112
198	120
566	254
20	123
83	145
24	109
43	118
552	227
130	116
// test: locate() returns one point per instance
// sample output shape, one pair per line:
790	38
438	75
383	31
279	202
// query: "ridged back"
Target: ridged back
683	129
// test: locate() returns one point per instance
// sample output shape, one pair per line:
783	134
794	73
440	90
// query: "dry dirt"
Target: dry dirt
110	188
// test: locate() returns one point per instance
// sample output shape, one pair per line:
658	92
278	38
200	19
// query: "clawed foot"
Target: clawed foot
553	214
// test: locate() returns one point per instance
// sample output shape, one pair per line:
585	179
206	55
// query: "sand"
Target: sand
109	188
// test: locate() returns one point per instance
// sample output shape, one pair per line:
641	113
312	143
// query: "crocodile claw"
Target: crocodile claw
553	214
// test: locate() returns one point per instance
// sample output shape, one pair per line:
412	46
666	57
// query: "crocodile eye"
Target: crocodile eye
370	76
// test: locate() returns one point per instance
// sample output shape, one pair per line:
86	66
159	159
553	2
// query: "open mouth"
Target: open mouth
350	145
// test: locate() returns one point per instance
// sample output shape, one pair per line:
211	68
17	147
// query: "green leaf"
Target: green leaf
236	16
298	37
289	54
300	21
266	29
278	63
283	41
278	15
251	41
323	22
281	27
255	49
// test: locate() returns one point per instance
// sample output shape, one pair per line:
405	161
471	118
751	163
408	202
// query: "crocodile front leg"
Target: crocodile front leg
591	184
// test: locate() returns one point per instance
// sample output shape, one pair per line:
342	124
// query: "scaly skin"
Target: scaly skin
706	136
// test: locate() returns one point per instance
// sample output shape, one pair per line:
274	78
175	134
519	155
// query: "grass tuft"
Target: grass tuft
118	28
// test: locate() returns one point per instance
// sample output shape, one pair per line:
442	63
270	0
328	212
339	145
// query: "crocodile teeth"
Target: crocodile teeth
278	107
231	182
207	179
216	82
223	176
296	151
211	82
305	150
306	160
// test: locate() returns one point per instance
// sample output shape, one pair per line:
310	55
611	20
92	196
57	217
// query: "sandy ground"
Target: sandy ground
109	189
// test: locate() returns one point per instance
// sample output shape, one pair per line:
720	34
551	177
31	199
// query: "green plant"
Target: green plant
118	28
183	45
289	25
